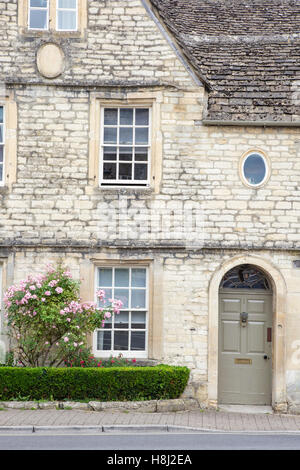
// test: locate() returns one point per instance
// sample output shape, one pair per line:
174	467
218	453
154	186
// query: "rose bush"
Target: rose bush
46	319
84	358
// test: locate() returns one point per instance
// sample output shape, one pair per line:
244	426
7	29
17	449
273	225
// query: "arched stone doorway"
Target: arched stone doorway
245	337
279	295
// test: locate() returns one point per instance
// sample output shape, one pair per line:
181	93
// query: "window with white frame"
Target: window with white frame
1	143
38	14
66	14
125	146
126	332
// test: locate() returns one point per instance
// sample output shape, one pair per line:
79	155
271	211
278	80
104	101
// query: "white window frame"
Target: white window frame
3	144
38	8
105	183
66	9
125	353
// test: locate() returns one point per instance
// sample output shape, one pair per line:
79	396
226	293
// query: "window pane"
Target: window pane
122	277
254	169
110	135
125	171
138	298
108	295
66	3
104	340
121	320
105	277
141	154
142	117
1	113
138	277
1	154
1	173
125	153
140	172
126	135
138	341
141	135
121	340
38	19
110	153
1	133
138	320
126	116
109	171
67	20
123	295
108	324
39	3
110	117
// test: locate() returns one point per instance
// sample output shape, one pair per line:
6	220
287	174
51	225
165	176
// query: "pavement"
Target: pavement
39	420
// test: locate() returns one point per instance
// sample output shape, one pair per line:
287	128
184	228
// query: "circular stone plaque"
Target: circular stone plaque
50	60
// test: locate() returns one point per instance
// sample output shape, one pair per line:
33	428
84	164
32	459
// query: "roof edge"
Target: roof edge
216	122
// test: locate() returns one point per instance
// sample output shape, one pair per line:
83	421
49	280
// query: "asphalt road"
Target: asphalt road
157	441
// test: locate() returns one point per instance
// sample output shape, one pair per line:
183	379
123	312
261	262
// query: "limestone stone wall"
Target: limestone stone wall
121	43
54	200
179	303
55	208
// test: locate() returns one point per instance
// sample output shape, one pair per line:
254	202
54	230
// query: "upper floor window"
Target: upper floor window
66	14
38	14
255	169
125	146
1	143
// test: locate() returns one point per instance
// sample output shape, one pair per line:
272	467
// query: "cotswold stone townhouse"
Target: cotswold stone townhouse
154	147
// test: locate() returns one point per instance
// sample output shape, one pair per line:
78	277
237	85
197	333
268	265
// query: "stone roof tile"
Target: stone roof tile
248	51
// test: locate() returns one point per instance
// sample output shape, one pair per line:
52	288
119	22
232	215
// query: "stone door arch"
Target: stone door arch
245	337
279	308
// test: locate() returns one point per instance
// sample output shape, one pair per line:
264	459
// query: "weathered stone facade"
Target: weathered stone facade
53	207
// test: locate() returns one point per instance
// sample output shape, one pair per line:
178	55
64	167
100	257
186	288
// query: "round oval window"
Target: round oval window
255	169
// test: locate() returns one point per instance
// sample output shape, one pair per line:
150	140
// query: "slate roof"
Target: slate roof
248	52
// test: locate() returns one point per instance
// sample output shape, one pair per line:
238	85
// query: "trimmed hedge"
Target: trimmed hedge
107	384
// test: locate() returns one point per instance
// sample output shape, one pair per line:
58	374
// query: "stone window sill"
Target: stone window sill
51	35
145	191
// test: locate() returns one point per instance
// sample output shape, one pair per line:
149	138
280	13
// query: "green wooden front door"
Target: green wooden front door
245	347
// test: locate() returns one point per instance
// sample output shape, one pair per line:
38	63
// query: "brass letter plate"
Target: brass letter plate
243	361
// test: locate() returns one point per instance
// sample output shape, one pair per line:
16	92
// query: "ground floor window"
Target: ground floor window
126	333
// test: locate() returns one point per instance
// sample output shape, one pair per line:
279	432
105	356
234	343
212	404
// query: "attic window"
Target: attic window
38	14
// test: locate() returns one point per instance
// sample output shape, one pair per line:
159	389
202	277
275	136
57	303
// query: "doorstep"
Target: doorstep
250	409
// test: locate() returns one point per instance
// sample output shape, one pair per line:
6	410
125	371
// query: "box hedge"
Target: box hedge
107	384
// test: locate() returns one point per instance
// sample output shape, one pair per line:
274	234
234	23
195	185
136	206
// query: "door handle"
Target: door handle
266	357
244	318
